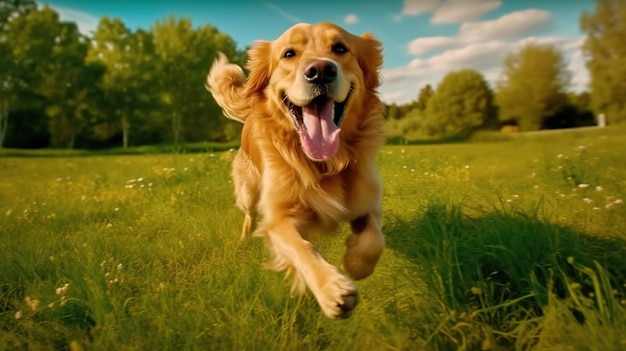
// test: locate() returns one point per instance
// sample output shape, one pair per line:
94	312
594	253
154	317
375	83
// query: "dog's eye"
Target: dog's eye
289	53
339	48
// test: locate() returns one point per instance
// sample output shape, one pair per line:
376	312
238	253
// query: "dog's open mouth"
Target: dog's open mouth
319	125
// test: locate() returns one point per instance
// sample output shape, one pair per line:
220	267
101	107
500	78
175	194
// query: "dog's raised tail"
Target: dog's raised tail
225	82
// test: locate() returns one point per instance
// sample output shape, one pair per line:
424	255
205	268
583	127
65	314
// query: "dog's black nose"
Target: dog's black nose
320	72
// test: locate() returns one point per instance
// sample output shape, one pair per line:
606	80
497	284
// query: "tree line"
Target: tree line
117	87
532	93
123	87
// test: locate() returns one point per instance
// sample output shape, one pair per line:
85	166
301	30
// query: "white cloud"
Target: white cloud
462	10
351	19
450	11
507	26
87	24
424	45
475	56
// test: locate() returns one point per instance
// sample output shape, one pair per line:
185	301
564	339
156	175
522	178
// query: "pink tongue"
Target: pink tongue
321	138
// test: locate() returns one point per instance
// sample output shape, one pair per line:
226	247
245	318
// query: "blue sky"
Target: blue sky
423	39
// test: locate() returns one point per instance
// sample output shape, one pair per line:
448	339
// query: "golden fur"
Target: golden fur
295	193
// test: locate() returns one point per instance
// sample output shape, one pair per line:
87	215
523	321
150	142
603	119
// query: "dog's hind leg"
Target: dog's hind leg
248	223
246	179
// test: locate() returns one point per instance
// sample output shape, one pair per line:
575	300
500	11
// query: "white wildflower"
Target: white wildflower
63	289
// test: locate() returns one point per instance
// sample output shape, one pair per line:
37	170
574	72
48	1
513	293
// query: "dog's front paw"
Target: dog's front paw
338	297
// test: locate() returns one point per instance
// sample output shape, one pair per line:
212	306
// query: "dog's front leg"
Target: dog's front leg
336	294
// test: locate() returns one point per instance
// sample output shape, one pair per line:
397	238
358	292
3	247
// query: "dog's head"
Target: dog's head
315	75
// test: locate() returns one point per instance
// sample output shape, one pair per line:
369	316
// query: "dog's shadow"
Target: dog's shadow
506	255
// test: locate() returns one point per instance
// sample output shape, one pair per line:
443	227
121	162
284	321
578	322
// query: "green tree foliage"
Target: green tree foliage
70	85
11	79
533	86
117	87
575	113
184	56
50	72
13	8
128	87
605	48
393	112
461	104
424	95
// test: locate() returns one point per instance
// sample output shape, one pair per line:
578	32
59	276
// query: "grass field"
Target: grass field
517	244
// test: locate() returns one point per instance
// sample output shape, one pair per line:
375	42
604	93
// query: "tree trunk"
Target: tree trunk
71	140
125	128
176	124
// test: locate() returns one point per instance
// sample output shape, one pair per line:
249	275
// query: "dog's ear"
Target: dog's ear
259	66
370	60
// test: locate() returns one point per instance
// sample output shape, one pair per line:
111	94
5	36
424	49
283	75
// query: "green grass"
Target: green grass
491	245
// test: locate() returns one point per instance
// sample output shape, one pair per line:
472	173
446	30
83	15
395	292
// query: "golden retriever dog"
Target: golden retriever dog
312	128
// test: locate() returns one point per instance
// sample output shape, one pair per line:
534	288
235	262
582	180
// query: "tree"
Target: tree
7	86
575	113
424	95
605	49
533	86
184	56
70	85
26	39
128	83
13	8
393	112
10	80
461	103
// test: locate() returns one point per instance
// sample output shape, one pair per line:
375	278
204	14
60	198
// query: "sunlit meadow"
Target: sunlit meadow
510	244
